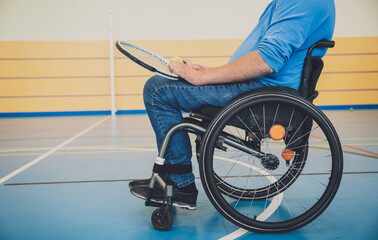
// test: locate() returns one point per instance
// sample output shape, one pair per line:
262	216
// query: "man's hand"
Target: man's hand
188	71
196	66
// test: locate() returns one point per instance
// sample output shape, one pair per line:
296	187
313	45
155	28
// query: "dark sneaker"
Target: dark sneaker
180	199
139	183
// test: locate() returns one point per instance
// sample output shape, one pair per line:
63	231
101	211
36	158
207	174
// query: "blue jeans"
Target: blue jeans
164	99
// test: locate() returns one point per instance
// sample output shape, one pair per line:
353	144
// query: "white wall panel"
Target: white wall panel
162	19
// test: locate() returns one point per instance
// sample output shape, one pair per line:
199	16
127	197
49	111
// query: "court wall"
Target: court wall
55	55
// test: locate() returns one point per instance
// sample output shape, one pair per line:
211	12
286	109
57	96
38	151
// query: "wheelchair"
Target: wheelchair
270	161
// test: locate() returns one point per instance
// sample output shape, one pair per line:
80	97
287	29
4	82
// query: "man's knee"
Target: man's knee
149	86
152	85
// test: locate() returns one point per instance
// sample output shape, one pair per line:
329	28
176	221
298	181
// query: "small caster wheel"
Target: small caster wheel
162	220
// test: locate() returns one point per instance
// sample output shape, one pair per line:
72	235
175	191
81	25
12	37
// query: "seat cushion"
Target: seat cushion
208	111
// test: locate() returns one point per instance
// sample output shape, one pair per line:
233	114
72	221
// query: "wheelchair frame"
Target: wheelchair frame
162	218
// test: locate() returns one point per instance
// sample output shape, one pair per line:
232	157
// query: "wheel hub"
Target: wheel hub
270	162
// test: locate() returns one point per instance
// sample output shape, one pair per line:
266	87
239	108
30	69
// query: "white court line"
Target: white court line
267	212
78	148
235	234
26	166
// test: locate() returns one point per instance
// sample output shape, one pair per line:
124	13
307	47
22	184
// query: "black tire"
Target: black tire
308	189
162	220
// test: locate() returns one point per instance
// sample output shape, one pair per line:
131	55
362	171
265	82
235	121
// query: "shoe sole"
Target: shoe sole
175	203
138	185
145	185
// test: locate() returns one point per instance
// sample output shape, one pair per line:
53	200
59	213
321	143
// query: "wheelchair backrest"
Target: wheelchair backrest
312	68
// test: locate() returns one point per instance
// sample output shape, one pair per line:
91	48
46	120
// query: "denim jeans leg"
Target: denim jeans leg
164	99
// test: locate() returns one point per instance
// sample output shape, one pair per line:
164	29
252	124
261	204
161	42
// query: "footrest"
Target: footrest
152	204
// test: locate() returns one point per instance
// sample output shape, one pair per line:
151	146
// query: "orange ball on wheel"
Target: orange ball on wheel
277	132
287	154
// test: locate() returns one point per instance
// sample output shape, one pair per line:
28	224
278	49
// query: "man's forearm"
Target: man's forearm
247	67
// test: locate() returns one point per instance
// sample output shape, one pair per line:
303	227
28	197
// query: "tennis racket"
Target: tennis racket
146	59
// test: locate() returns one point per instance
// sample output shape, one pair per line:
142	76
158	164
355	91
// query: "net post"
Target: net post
112	84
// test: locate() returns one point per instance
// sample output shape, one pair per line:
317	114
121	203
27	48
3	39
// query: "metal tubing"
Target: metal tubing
173	130
241	147
155	178
202	130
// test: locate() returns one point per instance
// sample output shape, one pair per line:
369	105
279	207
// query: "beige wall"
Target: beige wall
54	54
56	76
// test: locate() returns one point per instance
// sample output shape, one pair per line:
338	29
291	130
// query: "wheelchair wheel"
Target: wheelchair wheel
262	189
162	220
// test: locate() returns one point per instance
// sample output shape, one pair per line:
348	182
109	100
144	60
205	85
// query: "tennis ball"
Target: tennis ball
351	109
176	59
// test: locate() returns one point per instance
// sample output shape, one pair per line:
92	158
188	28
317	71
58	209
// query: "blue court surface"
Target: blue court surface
67	178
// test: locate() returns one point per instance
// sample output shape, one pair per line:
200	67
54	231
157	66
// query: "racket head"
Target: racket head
146	59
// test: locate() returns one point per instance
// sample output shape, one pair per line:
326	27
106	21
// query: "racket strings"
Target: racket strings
148	58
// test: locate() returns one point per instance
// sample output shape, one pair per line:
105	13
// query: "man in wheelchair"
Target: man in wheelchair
272	55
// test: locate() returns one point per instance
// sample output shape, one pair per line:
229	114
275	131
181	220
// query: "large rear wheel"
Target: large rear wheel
291	180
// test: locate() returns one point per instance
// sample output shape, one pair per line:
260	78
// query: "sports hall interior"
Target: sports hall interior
74	131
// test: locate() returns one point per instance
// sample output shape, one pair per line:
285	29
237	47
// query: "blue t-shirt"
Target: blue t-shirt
285	31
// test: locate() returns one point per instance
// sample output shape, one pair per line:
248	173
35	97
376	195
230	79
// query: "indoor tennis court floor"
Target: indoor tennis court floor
67	178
